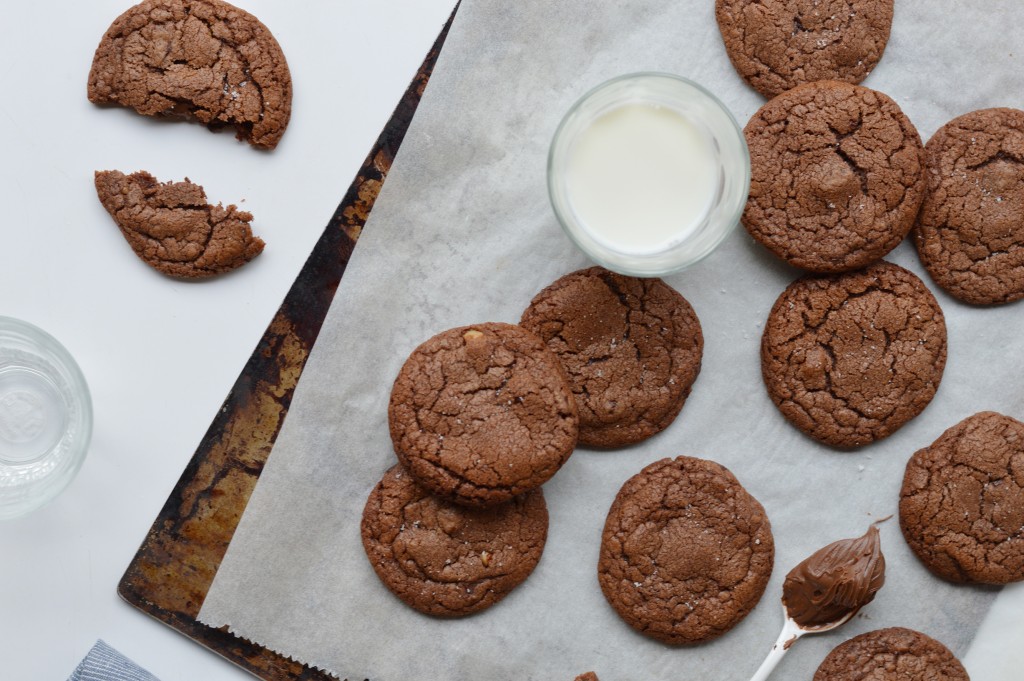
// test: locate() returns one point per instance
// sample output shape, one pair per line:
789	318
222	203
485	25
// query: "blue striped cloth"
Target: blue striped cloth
103	663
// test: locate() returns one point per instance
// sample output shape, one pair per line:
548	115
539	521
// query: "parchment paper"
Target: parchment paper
463	233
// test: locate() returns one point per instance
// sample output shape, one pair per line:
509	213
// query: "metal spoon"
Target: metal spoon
791	631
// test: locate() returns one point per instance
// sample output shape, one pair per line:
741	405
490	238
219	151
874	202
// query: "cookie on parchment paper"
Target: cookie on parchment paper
201	59
836	176
962	501
970	231
631	349
448	560
850	358
892	654
686	551
479	414
172	228
776	45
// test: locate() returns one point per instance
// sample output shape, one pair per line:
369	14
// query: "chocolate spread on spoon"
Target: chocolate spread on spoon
835	581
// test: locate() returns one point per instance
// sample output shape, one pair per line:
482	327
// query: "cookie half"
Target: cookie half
836	176
970	232
172	228
479	414
776	45
849	358
631	349
893	654
962	501
205	60
686	551
448	560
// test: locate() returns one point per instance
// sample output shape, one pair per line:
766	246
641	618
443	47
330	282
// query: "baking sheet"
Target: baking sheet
461	233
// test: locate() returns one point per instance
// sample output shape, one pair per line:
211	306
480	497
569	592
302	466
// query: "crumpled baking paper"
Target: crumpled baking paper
463	233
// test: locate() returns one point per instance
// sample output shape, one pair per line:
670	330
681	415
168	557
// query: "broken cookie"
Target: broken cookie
199	59
172	227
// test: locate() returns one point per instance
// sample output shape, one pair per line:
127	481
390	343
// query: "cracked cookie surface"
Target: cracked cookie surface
848	359
893	654
201	59
962	501
776	45
836	178
970	231
686	551
448	560
630	347
479	414
172	228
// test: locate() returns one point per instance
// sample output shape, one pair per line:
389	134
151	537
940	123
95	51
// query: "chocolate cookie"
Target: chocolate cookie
850	358
479	414
686	551
962	501
894	654
970	231
776	45
172	227
200	59
448	560
630	347
836	176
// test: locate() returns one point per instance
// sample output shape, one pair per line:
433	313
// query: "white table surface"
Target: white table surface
160	355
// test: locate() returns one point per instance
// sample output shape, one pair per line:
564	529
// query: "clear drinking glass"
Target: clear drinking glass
45	418
724	171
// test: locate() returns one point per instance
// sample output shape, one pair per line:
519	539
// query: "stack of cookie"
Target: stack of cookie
480	417
856	348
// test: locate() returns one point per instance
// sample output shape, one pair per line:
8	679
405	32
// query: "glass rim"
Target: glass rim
44	489
49	343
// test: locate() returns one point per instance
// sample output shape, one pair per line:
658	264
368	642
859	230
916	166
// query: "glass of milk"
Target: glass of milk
45	417
648	173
